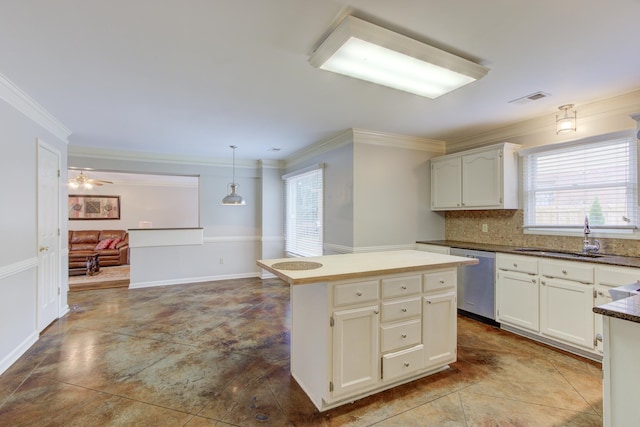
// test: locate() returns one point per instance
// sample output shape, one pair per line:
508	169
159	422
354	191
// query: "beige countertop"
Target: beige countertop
360	265
608	259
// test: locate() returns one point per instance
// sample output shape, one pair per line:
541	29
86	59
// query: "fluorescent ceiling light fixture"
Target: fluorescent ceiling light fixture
359	49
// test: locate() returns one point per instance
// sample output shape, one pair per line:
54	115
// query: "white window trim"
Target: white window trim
287	176
630	233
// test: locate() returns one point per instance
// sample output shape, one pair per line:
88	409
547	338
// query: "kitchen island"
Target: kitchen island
363	323
621	371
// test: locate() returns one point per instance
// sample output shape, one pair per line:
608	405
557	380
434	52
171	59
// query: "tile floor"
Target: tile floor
216	354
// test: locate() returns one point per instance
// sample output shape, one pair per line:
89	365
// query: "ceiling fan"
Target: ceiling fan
83	181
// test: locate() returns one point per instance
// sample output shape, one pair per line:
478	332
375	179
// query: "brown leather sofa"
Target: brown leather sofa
113	249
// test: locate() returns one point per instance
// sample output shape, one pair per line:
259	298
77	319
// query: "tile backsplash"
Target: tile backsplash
504	227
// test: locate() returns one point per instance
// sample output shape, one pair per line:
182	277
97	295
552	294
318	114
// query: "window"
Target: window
303	212
596	178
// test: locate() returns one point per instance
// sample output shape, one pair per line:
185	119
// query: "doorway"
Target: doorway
48	197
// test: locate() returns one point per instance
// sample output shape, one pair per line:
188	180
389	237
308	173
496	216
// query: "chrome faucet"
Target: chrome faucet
587	247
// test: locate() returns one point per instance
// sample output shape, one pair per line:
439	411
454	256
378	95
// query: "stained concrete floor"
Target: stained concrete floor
217	354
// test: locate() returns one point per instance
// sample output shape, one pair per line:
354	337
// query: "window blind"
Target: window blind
596	179
304	212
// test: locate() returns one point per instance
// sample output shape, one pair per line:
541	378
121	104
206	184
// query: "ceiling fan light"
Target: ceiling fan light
359	49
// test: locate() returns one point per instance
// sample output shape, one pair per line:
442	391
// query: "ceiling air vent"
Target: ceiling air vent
531	97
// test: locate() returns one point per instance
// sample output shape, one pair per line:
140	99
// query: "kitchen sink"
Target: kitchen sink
563	254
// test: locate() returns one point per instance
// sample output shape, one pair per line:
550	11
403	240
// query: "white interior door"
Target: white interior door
48	294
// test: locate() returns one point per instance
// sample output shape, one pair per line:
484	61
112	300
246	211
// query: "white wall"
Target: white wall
18	251
377	190
166	206
233	235
392	196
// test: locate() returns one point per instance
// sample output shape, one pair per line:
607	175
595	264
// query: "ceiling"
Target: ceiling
191	77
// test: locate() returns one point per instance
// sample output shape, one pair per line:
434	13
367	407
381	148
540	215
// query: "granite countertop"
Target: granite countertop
625	309
608	259
299	271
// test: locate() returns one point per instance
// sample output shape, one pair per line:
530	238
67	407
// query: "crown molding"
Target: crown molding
137	156
393	140
621	105
362	136
323	146
22	102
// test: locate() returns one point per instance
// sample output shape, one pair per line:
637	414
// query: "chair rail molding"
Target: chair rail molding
18	267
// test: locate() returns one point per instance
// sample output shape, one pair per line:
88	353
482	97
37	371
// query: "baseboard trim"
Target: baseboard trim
188	280
568	348
21	349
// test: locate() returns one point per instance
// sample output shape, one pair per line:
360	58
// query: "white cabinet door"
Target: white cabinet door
602	297
482	179
518	300
439	329
355	350
446	188
566	311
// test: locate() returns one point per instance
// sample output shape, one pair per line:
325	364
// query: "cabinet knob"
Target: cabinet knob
403	287
515	265
375	312
441	282
598	337
403	335
406	364
533	280
600	293
404	310
564	271
428	302
359	293
543	282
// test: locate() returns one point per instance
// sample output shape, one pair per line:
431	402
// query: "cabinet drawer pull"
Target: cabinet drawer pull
403	335
406	364
404	310
403	287
359	293
441	282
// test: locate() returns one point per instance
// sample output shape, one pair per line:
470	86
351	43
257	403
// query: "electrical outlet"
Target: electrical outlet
485	229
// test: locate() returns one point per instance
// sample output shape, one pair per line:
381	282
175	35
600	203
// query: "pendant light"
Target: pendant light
233	198
567	122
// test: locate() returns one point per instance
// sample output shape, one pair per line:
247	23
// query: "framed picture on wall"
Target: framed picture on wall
83	206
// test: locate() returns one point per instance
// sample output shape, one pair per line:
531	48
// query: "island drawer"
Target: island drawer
402	309
400	335
401	286
355	292
405	362
437	280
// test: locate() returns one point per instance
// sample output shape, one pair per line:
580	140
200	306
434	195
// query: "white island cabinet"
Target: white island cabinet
363	323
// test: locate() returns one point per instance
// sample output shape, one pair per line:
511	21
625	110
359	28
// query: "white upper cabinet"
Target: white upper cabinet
483	178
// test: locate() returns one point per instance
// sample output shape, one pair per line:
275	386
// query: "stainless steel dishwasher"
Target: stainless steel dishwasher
476	283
